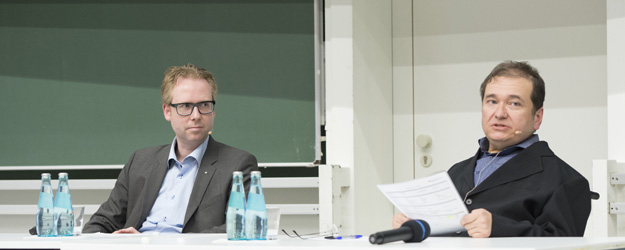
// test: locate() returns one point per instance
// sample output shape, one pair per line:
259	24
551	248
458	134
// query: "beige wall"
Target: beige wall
441	51
456	44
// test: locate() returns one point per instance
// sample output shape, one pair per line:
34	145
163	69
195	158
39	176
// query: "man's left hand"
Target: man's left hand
130	230
478	223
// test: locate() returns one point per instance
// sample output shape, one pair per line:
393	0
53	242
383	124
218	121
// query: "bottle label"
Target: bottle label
45	200
237	200
63	200
256	202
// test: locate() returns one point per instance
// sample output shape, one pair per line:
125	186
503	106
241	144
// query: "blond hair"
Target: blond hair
172	74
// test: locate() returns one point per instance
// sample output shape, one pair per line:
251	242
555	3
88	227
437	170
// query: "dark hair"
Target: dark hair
519	69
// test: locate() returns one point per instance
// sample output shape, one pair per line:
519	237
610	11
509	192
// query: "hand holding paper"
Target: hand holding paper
433	199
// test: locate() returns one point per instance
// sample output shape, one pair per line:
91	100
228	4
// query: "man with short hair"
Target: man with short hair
182	187
515	185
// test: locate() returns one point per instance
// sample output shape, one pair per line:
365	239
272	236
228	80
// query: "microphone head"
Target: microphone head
376	238
420	230
518	132
410	231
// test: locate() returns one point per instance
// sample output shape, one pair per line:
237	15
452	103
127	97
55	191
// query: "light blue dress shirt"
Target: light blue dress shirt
167	214
489	162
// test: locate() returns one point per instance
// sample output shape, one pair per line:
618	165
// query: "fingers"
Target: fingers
398	220
478	223
130	230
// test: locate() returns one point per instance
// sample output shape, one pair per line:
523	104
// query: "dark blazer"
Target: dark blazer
140	180
533	194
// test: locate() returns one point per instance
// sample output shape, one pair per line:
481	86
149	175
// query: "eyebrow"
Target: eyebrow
193	102
509	97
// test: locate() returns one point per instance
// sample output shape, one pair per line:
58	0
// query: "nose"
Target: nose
501	112
195	113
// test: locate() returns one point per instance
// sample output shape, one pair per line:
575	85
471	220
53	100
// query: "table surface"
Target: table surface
219	241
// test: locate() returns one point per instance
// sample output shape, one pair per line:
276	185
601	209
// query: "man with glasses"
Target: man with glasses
182	187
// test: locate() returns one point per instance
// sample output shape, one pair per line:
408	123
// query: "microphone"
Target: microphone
410	231
518	132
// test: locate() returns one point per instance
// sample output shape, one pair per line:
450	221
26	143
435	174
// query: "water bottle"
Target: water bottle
256	212
45	207
235	215
63	213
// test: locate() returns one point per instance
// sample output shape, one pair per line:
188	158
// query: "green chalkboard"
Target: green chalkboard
80	80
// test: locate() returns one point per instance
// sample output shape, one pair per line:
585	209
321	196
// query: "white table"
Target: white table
218	241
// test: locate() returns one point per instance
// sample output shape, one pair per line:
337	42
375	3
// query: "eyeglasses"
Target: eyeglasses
185	109
331	231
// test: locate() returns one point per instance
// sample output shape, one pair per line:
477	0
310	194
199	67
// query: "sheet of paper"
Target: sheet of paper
433	199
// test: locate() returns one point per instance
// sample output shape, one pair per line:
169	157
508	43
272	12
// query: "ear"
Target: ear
538	119
167	112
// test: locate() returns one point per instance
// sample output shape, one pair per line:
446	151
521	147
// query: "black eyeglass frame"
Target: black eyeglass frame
194	105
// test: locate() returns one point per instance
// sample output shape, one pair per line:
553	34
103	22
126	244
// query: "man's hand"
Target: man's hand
478	223
130	230
398	220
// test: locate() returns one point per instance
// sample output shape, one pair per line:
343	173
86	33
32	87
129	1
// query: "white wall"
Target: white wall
339	95
373	113
403	106
616	79
359	102
616	90
456	44
441	51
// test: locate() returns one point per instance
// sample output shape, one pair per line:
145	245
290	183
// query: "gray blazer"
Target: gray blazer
140	180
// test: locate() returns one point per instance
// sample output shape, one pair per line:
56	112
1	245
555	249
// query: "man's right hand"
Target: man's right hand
398	220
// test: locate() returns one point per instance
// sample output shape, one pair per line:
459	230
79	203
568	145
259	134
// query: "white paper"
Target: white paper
433	199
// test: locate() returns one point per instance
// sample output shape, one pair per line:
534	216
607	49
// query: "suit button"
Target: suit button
468	202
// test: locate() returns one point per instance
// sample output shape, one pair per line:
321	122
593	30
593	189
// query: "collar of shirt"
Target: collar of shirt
488	163
197	154
168	212
484	144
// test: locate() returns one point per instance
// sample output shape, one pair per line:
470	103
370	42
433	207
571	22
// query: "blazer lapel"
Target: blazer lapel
154	183
522	165
205	173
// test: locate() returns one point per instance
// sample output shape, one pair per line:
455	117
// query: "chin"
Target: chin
197	137
499	137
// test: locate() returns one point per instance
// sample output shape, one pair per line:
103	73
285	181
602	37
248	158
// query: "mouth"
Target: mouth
499	126
195	128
